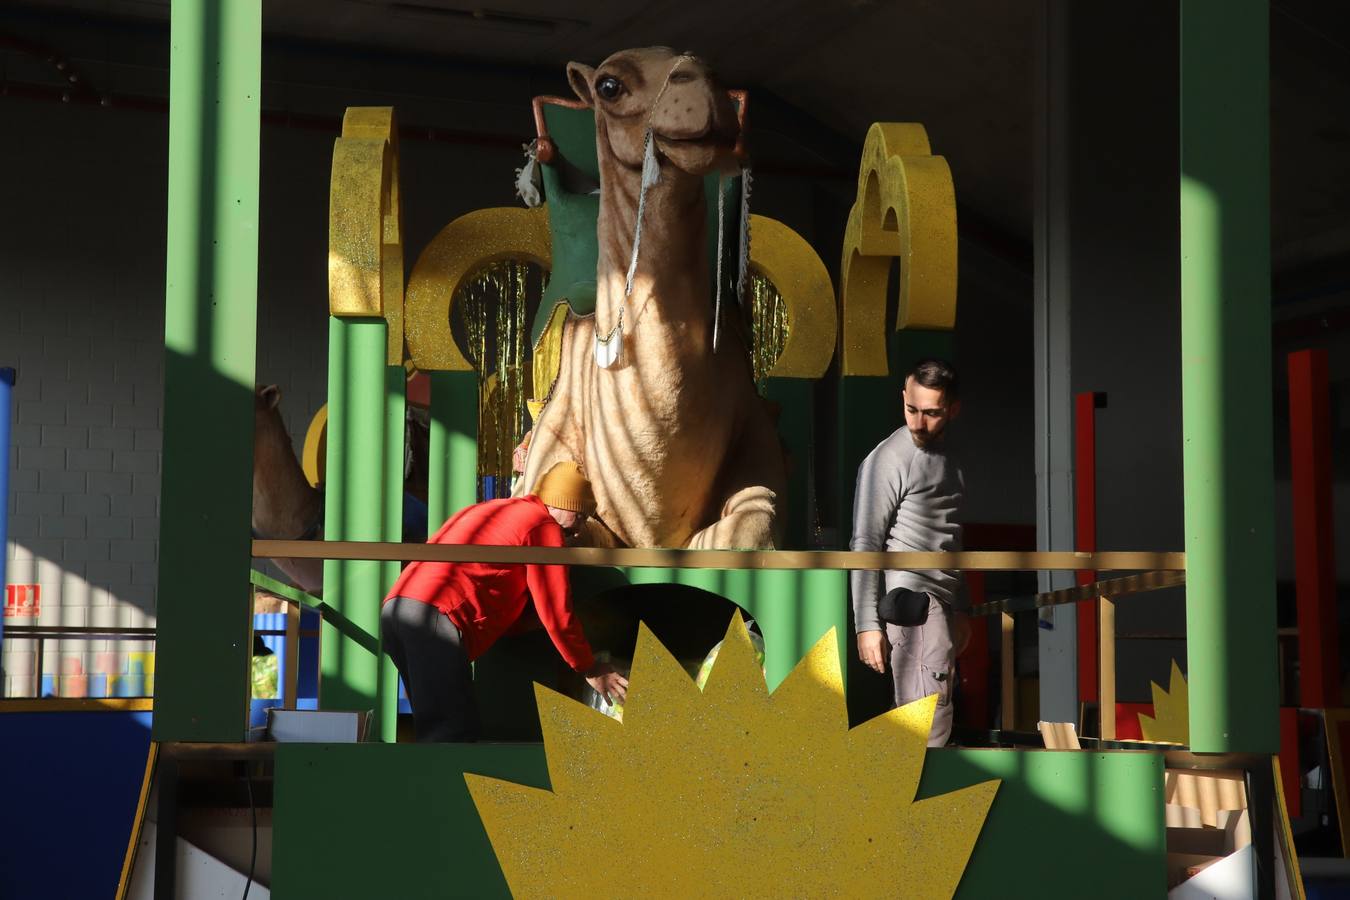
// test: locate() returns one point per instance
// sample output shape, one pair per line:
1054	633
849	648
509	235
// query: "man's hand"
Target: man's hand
960	628
607	683
874	649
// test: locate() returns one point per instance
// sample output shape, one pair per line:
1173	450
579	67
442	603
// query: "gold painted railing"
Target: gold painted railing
967	560
1155	572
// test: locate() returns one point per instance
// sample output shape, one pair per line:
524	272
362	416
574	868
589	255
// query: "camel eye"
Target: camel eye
609	87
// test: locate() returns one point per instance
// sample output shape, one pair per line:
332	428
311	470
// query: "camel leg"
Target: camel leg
748	522
306	573
755	482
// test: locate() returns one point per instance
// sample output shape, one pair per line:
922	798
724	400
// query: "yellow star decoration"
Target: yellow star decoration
731	792
1171	720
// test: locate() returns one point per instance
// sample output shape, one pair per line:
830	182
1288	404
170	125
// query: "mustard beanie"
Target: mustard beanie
565	487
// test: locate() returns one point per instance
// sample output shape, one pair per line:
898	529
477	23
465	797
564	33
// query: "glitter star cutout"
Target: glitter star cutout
732	791
1171	720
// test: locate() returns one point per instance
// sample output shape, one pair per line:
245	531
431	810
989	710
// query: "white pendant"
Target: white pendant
609	349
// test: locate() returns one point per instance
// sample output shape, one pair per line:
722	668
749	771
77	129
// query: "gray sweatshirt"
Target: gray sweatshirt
906	499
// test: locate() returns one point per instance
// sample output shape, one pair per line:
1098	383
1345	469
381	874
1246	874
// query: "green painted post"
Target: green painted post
794	609
396	401
203	649
354	508
795	399
1226	376
452	482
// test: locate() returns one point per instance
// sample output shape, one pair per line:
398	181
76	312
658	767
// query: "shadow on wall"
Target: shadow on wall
44	593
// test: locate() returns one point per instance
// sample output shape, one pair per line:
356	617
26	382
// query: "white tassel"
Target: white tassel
721	231
529	181
651	174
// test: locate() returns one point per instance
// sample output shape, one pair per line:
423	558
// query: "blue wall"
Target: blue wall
68	790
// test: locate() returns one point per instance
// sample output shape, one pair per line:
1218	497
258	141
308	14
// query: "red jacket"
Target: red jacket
485	599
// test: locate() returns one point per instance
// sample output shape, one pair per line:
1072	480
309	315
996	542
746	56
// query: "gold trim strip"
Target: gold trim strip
77	704
1112	588
138	823
969	560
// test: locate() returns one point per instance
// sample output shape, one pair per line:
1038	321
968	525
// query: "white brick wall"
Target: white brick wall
81	319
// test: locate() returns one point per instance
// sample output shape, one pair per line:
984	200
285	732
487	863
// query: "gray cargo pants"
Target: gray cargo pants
426	649
922	663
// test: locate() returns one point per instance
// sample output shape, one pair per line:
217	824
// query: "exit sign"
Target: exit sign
22	601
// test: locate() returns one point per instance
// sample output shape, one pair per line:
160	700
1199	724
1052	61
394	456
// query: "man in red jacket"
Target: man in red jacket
439	617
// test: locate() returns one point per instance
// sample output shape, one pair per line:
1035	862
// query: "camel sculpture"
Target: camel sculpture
285	505
666	422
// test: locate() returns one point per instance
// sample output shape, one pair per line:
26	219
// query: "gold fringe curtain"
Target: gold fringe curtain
492	314
768	325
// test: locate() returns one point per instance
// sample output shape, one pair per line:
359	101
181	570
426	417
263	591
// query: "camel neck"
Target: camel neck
672	262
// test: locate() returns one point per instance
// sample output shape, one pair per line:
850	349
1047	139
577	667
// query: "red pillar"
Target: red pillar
1085	408
1314	547
972	667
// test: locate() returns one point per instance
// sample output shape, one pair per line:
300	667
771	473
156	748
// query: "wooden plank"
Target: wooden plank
1338	744
284	591
292	656
1106	660
1085	535
1059	735
129	860
974	560
1007	675
1116	587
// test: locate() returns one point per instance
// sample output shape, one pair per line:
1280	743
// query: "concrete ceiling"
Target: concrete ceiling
965	68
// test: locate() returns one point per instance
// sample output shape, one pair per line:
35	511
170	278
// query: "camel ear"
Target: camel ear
271	395
580	76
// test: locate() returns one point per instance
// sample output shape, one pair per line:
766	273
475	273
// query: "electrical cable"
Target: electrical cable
253	809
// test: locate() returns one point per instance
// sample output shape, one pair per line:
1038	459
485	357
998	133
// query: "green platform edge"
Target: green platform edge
1063	824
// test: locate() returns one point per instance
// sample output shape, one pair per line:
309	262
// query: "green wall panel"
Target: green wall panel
452	481
1063	824
389	820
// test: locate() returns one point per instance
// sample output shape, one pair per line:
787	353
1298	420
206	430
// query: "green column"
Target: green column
354	507
452	482
396	401
795	399
1226	376
211	297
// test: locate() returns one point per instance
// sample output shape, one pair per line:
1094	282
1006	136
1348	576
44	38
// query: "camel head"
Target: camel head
675	96
267	424
265	397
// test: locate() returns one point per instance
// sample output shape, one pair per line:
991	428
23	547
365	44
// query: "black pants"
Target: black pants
425	647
